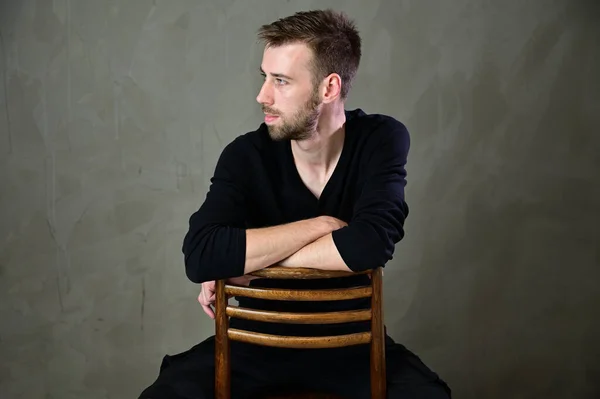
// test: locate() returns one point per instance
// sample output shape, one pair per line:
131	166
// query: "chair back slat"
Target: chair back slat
345	316
332	341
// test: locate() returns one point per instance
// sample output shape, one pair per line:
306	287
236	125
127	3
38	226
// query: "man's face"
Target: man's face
288	96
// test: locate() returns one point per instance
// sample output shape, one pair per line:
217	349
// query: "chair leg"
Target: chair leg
222	365
378	370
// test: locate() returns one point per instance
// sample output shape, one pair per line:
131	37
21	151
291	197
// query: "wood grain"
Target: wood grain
299	318
378	372
331	341
337	294
222	364
281	272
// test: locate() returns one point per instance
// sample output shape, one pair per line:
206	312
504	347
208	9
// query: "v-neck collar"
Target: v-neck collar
336	171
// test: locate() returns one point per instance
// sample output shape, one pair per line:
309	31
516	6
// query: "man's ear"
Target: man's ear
331	88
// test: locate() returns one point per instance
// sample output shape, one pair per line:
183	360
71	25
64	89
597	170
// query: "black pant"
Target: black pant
257	370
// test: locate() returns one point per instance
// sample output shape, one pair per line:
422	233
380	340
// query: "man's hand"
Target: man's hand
207	294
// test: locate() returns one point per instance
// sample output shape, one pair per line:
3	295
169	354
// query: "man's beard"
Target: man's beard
301	125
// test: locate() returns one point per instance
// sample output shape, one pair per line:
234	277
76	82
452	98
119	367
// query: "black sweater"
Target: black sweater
256	184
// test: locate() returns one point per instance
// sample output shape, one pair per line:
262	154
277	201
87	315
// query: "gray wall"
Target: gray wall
113	113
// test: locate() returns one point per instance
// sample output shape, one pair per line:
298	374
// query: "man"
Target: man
314	186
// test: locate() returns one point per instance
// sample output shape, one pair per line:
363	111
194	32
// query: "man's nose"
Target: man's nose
265	95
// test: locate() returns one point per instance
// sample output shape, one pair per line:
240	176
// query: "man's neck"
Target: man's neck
323	149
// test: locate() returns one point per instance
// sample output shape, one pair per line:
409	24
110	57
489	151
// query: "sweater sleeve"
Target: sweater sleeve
380	210
215	245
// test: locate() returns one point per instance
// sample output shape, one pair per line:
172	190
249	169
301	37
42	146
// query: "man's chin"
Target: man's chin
279	134
276	134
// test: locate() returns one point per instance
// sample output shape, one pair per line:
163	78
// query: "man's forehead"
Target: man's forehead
286	59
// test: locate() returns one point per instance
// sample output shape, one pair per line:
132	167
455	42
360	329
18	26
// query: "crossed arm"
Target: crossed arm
319	254
298	244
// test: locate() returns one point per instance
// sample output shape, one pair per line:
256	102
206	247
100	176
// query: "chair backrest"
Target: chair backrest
375	337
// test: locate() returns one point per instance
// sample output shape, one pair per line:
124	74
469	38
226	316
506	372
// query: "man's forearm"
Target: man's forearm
320	254
269	245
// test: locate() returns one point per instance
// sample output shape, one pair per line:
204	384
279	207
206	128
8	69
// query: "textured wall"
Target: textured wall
113	113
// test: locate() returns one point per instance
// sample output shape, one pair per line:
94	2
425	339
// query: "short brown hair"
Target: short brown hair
332	37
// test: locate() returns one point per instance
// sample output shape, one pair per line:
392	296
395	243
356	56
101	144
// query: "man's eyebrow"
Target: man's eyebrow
277	75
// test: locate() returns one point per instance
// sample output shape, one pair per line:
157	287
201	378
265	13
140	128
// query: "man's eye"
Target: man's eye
280	81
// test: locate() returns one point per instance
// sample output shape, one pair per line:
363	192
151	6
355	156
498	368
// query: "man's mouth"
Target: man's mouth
270	117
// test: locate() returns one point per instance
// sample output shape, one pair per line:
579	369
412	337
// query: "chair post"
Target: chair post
378	370
222	364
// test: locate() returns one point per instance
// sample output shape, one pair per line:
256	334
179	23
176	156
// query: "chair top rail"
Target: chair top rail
281	272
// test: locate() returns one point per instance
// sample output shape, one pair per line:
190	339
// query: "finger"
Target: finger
204	299
208	310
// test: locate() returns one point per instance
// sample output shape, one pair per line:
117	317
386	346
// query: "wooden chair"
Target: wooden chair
376	337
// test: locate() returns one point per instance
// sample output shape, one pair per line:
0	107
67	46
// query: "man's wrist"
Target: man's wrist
325	225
